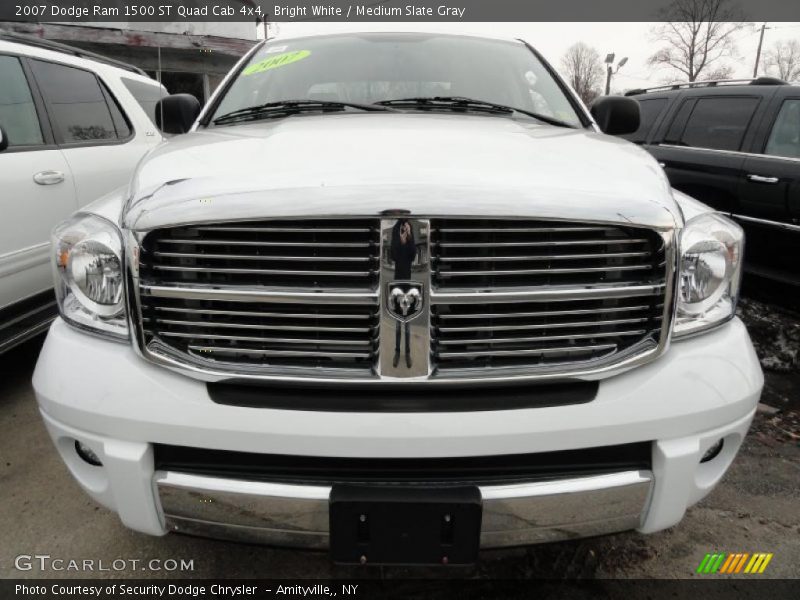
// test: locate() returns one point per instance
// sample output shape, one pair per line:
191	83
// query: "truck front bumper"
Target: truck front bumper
104	396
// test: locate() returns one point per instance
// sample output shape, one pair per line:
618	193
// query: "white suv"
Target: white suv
72	128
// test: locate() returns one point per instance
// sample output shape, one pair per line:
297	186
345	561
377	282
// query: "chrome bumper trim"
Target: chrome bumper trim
297	515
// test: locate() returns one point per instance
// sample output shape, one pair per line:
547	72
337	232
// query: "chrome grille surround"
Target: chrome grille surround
449	308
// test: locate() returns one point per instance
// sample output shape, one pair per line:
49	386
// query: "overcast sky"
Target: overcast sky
633	40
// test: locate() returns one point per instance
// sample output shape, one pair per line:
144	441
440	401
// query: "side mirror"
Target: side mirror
3	139
177	113
616	115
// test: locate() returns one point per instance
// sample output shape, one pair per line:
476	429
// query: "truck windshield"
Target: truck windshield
364	69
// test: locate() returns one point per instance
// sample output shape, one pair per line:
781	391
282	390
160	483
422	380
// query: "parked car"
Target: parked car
734	145
73	125
359	302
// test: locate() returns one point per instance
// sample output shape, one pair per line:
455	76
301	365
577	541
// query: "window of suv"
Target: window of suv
784	139
81	107
18	115
719	123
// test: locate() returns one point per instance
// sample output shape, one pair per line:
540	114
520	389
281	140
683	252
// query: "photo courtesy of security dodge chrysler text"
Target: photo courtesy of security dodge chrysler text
401	297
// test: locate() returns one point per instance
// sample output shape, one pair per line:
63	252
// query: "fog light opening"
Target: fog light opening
713	451
87	454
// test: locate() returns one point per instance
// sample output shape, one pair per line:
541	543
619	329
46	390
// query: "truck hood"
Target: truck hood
365	164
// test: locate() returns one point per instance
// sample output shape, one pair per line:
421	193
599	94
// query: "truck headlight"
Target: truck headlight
710	273
89	282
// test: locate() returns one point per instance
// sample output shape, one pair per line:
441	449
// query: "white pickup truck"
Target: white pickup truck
402	297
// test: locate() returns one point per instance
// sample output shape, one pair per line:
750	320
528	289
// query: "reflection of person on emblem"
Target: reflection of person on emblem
403	253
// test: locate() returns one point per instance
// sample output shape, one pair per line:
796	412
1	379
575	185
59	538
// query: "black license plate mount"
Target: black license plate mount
405	525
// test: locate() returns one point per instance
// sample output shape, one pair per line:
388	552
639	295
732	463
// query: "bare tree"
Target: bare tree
696	36
783	60
584	71
720	72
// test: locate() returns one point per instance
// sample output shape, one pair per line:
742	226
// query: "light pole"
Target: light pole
610	71
758	52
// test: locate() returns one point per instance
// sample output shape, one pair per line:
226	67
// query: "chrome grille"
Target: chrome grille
308	254
468	253
254	334
493	309
541	333
264	295
302	298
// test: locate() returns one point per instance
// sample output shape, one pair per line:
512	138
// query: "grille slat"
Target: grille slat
520	294
270	294
241	271
266	339
541	338
525	327
595	256
240	313
231	242
262	257
595	242
500	295
297	296
544	313
530	352
195	324
557	271
562	229
307	230
280	353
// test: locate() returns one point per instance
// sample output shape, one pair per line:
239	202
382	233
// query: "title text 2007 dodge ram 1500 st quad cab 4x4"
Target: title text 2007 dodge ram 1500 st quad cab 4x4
396	295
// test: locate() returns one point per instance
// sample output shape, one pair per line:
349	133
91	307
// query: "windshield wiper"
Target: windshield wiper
289	107
462	103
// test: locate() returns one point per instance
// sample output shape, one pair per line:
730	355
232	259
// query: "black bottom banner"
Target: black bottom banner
440	587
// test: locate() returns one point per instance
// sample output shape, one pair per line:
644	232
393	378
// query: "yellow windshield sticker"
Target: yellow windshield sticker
279	60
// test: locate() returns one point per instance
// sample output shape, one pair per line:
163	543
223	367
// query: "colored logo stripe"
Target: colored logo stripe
721	562
711	563
728	562
703	563
758	563
735	563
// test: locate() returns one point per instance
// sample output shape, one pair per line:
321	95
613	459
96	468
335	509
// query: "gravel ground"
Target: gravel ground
755	508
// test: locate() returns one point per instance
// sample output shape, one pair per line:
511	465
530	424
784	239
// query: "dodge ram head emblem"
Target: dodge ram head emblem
404	300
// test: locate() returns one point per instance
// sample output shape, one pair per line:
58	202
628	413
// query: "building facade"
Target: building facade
186	57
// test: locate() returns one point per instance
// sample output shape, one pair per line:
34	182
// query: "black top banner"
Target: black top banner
397	10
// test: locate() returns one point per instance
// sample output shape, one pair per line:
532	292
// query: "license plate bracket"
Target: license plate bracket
405	525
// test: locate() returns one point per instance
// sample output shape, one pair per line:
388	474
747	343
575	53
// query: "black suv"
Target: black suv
734	145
